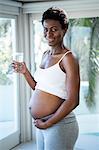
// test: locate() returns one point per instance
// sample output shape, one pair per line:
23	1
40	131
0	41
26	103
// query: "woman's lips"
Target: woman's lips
50	40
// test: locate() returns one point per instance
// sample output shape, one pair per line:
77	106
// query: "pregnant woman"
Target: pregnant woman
56	87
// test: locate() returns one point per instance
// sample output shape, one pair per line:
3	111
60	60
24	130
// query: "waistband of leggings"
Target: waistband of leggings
70	116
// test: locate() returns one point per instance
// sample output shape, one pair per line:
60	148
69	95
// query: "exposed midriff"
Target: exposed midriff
43	104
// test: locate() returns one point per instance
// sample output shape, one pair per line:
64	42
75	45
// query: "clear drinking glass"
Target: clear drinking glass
17	56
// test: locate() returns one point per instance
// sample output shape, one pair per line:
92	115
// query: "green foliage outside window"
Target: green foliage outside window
93	63
5	50
88	56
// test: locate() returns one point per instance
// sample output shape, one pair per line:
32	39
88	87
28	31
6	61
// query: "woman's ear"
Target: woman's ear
64	31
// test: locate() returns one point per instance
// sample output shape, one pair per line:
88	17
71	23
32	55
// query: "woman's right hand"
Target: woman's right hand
19	67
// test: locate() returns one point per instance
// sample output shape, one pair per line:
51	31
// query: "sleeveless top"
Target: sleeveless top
52	79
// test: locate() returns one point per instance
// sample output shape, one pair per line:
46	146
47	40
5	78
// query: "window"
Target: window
9	119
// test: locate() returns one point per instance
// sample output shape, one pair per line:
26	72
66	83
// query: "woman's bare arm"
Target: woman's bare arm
22	68
29	78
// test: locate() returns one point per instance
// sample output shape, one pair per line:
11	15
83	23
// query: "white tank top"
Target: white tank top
52	80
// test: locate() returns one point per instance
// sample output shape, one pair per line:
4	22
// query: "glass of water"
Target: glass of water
17	56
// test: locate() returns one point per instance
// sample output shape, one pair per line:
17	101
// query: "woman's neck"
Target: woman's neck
57	50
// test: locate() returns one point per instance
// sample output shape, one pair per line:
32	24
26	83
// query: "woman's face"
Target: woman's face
53	32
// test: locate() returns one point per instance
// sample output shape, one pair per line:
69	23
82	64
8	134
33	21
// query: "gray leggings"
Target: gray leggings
61	136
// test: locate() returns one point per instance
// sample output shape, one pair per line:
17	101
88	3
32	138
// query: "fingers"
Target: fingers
18	66
35	122
40	124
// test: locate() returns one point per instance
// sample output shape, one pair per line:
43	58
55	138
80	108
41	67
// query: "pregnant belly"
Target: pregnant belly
43	104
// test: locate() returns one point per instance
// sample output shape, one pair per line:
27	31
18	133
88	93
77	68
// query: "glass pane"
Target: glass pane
8	86
40	44
84	39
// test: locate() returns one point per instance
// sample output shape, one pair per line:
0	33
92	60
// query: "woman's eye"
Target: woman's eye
50	30
54	29
45	30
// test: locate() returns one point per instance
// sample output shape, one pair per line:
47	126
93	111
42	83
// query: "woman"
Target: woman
56	87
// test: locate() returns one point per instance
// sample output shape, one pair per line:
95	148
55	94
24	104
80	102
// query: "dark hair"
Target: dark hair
56	14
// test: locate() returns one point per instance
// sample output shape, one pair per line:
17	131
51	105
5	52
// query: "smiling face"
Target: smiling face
53	32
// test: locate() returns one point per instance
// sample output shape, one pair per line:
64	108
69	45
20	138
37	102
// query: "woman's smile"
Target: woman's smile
50	40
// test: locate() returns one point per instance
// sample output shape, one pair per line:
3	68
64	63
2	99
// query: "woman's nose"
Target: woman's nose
49	34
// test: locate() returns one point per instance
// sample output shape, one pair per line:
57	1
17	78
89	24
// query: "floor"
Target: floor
27	146
88	142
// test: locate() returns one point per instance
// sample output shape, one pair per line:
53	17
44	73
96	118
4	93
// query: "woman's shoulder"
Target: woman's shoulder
70	57
72	54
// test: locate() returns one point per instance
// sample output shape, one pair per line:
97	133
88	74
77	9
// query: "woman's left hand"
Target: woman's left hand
41	124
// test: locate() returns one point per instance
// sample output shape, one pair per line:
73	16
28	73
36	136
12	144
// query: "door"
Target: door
9	105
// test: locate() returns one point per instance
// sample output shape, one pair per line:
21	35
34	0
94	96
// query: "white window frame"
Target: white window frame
75	9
